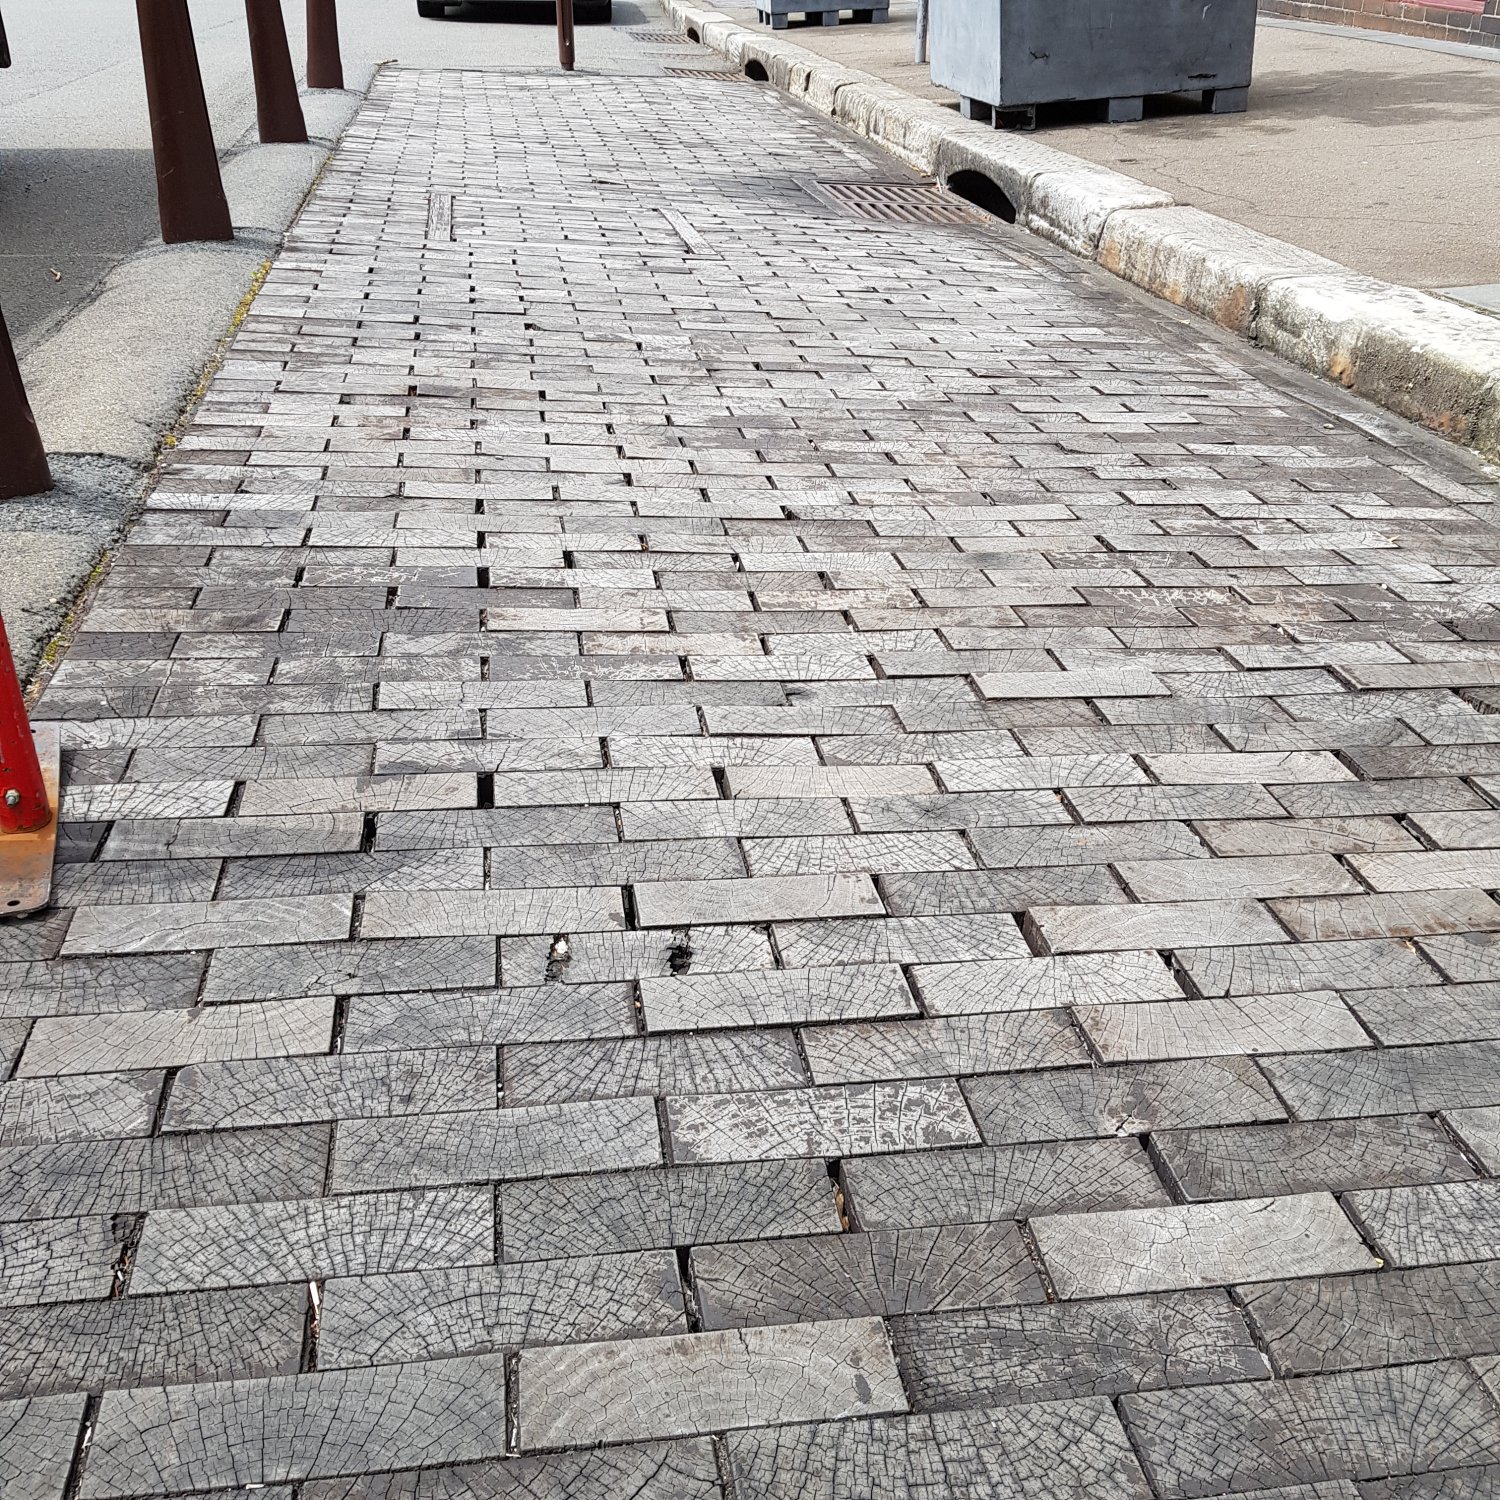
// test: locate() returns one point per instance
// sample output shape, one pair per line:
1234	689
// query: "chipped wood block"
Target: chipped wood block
505	913
775	997
1079	684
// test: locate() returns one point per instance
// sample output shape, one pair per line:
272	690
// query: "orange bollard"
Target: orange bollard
23	460
277	107
28	797
325	68
189	192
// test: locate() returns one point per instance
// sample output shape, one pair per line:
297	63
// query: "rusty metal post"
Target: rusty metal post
565	51
23	460
24	806
277	107
325	68
189	192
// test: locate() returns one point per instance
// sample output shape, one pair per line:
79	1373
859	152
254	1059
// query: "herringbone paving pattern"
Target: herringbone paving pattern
721	849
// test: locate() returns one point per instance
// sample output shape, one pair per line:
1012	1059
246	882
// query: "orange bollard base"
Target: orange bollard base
26	858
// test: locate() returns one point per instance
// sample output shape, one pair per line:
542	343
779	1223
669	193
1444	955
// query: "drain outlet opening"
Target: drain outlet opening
983	192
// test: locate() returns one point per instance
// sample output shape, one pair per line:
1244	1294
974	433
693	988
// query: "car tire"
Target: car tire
432	10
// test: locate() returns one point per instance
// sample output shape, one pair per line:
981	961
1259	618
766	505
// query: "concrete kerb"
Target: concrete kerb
1417	355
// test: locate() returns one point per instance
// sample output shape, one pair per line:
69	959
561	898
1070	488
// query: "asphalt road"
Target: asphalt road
77	187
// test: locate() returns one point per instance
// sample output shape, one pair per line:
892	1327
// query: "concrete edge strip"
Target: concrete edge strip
1415	354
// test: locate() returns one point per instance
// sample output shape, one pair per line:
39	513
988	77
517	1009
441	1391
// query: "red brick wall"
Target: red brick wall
1473	21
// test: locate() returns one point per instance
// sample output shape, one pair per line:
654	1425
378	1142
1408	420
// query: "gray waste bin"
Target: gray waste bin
1012	55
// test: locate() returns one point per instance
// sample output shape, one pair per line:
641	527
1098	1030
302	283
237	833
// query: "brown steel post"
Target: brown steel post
325	68
189	192
23	460
277	106
565	34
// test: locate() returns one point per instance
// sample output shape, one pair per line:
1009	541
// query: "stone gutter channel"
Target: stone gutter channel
1415	354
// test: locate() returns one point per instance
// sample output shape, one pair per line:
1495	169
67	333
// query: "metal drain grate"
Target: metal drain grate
722	74
893	202
665	37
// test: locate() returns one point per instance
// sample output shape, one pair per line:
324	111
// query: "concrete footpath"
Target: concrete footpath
733	835
1428	358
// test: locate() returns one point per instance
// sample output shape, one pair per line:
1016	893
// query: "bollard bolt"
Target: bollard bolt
13	798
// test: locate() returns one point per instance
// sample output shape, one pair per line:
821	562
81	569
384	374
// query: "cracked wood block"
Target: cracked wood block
704	1382
991	1184
1090	844
37	1439
493	827
1407	1419
681	903
1156	804
1434	1223
654	1065
488	1018
283	1091
1220	1027
80	1346
1409	1017
60	1260
131	1176
750	817
1013	1356
1479	1129
872	853
82	986
1124	1099
1262	768
900	940
378	1320
1199	1244
617	864
1388	1081
174	1038
194	925
257	1432
1218	879
1017	773
1054	1451
505	913
1182	924
859	1275
336	874
939	1046
1400	915
682	1470
609	1212
1260	968
958	892
1394	1317
813	782
1269	1160
357	794
77	1107
774	997
1044	983
935	811
308	1239
1080	684
354	968
854	1120
1297	836
492	1145
1430	870
130	800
